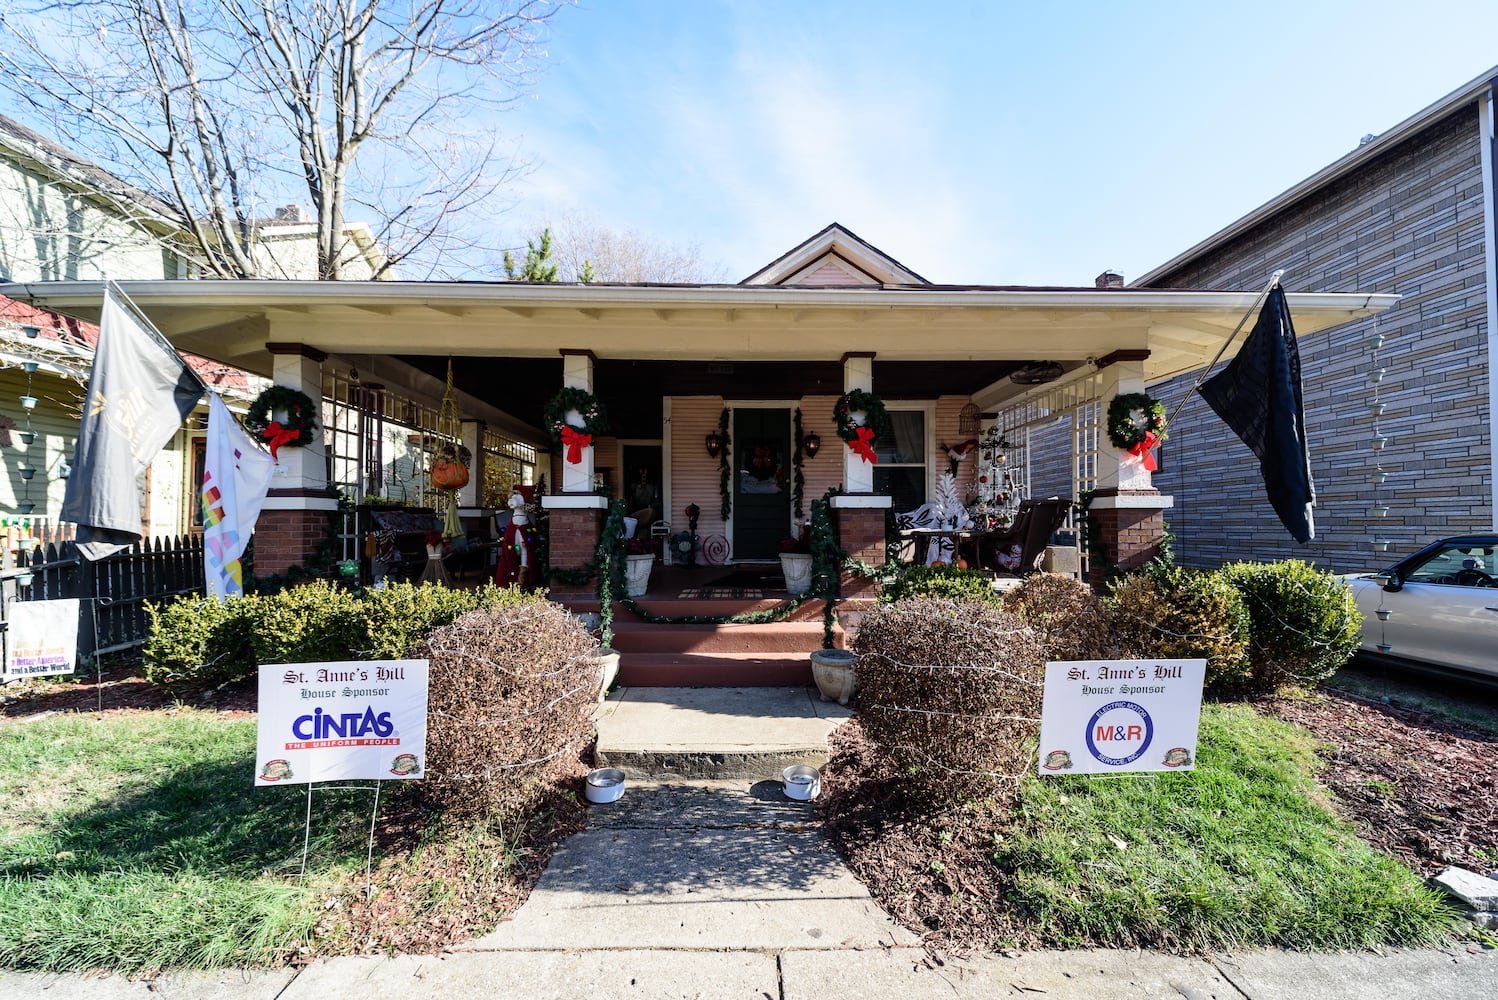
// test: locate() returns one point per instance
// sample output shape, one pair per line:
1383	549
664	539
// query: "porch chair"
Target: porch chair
1030	533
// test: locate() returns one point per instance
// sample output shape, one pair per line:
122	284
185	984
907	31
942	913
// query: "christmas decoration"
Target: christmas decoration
1136	424
575	437
517	550
299	427
860	436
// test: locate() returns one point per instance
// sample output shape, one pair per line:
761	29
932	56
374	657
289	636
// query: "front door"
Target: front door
761	482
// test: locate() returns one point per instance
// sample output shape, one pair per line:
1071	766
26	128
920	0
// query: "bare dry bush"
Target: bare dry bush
507	706
1069	618
951	693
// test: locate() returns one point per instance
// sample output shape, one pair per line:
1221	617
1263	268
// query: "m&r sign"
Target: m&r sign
1115	716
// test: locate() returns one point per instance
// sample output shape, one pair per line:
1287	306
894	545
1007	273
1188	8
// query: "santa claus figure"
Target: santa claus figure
517	563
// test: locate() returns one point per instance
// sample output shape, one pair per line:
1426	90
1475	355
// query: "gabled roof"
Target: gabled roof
66	166
834	256
1369	149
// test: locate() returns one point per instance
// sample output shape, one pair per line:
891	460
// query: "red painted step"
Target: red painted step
714	670
771	638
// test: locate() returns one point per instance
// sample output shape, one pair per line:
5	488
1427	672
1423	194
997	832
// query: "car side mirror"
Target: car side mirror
1389	581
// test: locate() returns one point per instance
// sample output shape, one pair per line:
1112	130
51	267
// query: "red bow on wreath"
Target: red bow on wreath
861	447
575	441
1144	451
275	435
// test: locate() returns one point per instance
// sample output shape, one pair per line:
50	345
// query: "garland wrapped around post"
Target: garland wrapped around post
798	479
860	437
1137	425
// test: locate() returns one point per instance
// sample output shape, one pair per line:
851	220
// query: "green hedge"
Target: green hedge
1303	624
1184	614
200	640
945	582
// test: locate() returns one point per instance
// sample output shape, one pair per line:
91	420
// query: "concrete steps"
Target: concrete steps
714	732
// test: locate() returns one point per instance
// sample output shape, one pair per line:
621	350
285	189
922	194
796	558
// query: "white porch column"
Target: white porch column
858	373
1117	470
577	373
472	437
299	367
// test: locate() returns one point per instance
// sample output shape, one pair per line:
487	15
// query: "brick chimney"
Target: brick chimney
1109	279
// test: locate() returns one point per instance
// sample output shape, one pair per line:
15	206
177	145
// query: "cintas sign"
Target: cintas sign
342	721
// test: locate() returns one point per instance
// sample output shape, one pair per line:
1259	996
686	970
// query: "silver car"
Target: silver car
1437	607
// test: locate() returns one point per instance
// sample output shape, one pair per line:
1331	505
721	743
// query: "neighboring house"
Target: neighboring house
672	361
63	218
1409	212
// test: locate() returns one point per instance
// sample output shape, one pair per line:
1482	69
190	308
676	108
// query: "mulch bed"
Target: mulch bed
1415	785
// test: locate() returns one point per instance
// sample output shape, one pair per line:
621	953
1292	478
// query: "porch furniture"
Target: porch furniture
923	538
1031	532
407	528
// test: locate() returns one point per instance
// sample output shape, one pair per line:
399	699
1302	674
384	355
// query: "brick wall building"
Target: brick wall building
1409	212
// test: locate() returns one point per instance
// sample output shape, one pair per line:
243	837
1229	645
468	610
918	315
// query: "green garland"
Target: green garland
724	465
595	417
827	560
876	417
798	480
1123	431
301	415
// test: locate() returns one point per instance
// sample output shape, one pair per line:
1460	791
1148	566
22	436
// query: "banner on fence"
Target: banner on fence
42	639
1118	716
341	721
236	478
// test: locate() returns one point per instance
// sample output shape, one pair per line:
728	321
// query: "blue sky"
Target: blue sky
1000	143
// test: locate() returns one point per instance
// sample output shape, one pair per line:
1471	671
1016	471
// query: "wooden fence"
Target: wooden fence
112	592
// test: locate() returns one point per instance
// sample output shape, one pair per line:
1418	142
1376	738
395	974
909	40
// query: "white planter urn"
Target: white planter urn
605	660
797	569
832	669
637	573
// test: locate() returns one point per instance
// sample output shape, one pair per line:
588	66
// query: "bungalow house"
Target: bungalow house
754	362
1401	406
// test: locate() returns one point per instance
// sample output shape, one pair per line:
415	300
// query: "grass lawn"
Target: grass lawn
138	842
1242	851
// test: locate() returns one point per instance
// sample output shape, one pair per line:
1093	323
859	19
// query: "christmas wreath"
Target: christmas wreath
1138	435
301	420
595	420
861	437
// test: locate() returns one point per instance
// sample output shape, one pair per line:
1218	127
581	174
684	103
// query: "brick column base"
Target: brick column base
1130	536
573	540
287	538
861	532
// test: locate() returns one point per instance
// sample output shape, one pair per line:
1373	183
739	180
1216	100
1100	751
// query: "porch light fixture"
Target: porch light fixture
811	444
714	443
969	420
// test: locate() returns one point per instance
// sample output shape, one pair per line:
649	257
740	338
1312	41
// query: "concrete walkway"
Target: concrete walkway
725	889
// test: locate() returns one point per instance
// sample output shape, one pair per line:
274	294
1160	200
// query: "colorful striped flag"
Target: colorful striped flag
236	477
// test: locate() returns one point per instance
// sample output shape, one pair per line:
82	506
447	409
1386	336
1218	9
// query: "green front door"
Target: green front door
761	482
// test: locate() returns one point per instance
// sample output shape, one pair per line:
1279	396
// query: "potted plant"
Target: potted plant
795	562
639	557
833	671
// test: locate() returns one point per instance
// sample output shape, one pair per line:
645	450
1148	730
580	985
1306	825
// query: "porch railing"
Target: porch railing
112	592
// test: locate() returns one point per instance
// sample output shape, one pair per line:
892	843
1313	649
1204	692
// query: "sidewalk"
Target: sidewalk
725	889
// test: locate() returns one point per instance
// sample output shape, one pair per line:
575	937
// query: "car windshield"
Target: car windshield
1454	564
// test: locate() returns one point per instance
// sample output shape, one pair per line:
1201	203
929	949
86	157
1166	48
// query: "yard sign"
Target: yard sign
1119	716
341	721
43	638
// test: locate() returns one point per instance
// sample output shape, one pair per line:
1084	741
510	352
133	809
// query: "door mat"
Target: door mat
763	577
719	593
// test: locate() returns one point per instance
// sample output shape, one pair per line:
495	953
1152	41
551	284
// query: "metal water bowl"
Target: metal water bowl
606	784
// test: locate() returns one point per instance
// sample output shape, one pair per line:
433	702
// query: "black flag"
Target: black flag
139	392
1258	395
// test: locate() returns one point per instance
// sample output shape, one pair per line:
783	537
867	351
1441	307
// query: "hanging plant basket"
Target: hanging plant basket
263	421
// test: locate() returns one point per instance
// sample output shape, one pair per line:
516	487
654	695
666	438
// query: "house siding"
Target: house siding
1410	222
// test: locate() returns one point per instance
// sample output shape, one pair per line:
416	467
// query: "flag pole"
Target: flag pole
110	283
1274	279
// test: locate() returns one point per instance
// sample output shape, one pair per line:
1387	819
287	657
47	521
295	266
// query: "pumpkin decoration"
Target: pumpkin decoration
448	472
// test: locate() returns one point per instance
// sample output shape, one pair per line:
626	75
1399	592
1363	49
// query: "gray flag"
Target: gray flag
139	392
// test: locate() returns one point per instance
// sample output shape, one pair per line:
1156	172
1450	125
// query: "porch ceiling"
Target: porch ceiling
231	321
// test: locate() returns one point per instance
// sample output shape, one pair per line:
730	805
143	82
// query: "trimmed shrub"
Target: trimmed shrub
943	581
401	615
307	623
200	640
1184	614
951	692
509	692
1068	617
1303	623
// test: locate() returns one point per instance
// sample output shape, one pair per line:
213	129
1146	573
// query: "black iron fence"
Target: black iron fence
112	592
